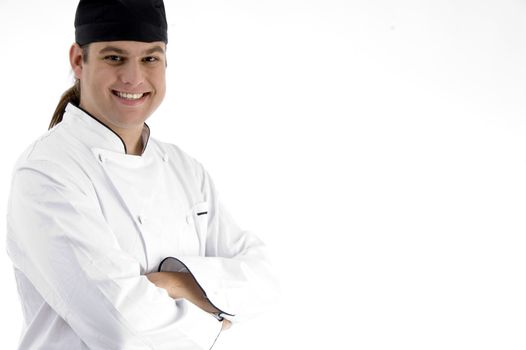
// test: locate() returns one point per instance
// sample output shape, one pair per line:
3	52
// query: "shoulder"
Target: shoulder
55	144
55	155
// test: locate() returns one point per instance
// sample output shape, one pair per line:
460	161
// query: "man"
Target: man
119	241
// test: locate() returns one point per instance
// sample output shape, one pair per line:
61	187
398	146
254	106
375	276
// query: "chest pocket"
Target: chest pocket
197	218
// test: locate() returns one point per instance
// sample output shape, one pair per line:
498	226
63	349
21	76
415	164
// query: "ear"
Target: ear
76	59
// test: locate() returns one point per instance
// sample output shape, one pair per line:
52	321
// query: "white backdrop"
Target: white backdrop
377	147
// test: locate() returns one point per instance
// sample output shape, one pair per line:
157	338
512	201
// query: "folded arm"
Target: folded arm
180	285
58	238
235	274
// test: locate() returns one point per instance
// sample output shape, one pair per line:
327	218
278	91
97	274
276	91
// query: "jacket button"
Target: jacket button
101	158
141	219
165	158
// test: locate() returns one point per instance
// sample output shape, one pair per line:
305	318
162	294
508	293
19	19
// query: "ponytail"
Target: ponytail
71	95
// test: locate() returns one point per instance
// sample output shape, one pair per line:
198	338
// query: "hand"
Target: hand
226	325
182	285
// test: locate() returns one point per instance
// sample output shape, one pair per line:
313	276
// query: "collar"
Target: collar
97	134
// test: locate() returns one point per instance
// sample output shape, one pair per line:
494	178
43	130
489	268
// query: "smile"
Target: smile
129	96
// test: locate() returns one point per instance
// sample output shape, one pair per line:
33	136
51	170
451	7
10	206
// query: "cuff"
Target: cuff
171	264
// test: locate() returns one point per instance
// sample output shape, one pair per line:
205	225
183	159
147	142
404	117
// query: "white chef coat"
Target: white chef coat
86	222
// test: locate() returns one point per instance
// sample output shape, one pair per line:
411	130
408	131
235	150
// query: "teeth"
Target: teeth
128	96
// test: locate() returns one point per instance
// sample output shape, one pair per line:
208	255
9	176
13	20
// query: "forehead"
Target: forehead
128	47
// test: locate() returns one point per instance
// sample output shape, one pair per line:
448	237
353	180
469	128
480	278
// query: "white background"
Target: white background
378	147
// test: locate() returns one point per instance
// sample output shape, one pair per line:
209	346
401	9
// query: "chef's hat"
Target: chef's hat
112	20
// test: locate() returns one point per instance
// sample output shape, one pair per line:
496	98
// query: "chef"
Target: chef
118	240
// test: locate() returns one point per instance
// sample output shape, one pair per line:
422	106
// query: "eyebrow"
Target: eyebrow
115	49
156	48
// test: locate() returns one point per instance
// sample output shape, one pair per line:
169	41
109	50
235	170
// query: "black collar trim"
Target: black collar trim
120	138
145	143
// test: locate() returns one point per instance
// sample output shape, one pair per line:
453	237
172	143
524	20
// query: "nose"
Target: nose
131	73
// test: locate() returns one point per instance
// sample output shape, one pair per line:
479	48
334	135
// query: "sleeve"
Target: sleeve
235	274
59	239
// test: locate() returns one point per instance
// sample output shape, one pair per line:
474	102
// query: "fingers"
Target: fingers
226	325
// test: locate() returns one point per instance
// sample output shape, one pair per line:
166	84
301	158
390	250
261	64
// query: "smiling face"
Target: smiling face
122	82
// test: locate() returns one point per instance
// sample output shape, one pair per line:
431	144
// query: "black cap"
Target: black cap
113	20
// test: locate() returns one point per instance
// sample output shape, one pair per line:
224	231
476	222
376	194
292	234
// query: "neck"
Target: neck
132	138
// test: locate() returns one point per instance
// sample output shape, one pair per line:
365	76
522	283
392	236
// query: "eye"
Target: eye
113	58
150	59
